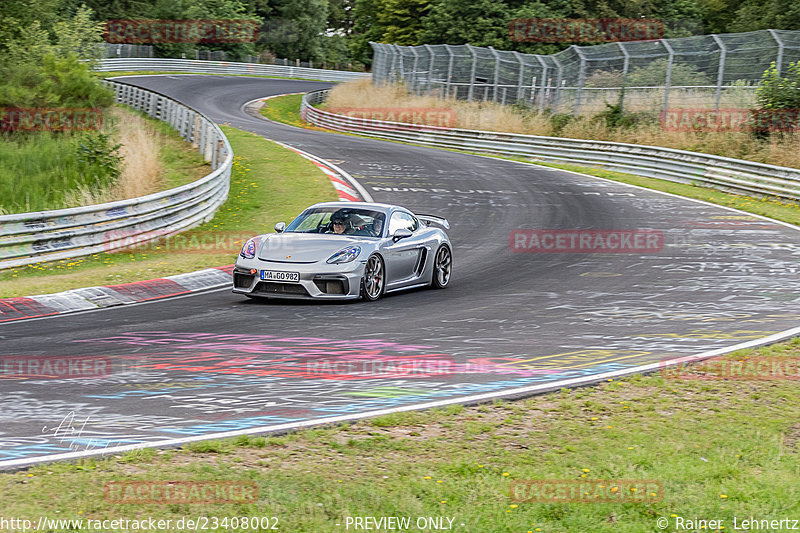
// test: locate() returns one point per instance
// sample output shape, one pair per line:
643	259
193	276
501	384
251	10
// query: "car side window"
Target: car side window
401	220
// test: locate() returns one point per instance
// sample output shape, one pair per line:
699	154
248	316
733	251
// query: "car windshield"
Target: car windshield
339	220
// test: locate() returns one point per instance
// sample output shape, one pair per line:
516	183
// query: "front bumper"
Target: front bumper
317	280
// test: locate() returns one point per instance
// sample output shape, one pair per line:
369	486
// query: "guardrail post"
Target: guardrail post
721	71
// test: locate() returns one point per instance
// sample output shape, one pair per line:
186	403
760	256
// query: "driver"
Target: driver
339	224
377	225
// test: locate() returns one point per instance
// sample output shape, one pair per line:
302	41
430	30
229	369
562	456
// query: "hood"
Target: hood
303	247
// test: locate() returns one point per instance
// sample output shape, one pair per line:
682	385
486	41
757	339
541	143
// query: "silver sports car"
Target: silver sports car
346	250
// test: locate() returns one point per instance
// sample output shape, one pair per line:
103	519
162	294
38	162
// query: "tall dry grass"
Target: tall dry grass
782	150
141	169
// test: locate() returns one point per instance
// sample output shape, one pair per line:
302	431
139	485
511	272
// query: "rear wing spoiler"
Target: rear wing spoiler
430	219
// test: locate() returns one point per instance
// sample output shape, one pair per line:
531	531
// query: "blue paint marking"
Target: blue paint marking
34	449
231	425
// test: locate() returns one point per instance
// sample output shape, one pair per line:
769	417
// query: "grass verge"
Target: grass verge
719	448
286	109
44	171
268	184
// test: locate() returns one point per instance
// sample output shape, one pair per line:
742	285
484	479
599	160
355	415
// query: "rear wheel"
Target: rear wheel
374	280
442	267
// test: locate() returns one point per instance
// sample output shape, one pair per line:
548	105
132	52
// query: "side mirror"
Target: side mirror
402	233
280	226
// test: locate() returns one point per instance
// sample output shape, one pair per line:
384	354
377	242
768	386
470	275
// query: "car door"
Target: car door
403	257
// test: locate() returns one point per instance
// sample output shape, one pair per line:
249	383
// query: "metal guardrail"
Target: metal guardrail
28	238
226	67
731	175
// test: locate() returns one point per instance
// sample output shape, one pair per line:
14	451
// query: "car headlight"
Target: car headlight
344	255
249	249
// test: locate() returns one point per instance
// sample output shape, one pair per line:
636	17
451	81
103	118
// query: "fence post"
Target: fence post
496	73
520	89
413	82
581	79
668	81
544	81
400	57
430	67
449	68
559	88
721	72
472	73
779	59
625	66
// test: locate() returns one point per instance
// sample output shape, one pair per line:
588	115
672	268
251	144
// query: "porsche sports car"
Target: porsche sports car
346	250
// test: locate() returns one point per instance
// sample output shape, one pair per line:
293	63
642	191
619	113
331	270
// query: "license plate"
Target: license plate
274	275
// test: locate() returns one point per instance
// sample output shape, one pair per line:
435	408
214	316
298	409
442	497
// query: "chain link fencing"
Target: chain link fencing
706	71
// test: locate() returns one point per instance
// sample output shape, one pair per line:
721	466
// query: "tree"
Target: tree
297	30
766	14
402	20
475	22
366	28
79	36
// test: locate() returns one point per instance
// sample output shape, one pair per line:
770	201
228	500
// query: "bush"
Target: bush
777	99
559	120
56	82
777	92
616	117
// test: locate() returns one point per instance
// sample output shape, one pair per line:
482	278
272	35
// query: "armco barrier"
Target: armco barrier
226	67
732	175
28	238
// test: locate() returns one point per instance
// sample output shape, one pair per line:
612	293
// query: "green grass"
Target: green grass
287	109
40	169
718	448
268	184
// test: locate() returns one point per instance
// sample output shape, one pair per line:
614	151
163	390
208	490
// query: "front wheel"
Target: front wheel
374	280
442	267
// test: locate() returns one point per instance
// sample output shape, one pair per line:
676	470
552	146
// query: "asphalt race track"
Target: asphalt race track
214	362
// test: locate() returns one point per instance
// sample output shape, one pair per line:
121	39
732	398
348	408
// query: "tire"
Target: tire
374	281
442	267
